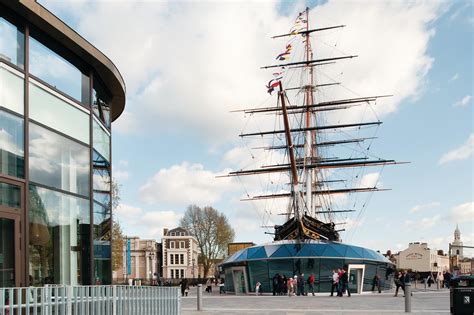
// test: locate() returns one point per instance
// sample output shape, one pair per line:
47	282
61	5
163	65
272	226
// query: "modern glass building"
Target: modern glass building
58	97
261	263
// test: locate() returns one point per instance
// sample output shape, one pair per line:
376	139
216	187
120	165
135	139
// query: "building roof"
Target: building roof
313	249
48	23
179	230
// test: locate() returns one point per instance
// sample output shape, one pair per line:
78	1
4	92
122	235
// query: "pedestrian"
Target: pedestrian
209	285
283	285
300	285
183	285
430	280
339	284
311	284
398	282
334	282
376	282
291	286
275	281
221	285
344	283
405	280
257	288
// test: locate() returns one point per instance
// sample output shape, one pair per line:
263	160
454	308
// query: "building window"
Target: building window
172	234
12	161
59	227
58	72
182	273
11	89
100	103
171	259
12	43
58	162
101	140
171	244
68	118
181	259
172	273
181	244
176	258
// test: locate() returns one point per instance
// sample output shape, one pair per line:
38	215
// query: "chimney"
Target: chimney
165	231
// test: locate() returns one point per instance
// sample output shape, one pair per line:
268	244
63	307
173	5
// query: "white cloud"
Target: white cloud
149	223
369	180
461	153
425	206
423	224
463	212
463	102
206	60
454	77
185	184
120	175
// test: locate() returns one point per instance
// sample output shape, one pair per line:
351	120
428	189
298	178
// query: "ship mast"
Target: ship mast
308	139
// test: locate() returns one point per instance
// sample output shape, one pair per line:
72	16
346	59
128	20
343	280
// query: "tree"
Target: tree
117	234
212	231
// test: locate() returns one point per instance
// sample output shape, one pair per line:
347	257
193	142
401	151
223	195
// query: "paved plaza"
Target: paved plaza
423	301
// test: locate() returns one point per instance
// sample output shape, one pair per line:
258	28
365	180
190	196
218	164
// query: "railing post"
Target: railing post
69	300
114	300
199	297
407	298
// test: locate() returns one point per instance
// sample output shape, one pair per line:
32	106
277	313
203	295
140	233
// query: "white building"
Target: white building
456	245
419	257
180	254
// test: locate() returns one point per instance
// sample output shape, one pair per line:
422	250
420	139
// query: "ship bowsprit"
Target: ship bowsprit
306	228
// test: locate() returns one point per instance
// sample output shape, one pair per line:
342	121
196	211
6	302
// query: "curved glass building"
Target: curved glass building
261	263
58	97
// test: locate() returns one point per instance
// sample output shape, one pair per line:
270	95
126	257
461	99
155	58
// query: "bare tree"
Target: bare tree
212	231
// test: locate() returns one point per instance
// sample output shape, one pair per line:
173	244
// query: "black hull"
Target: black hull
306	228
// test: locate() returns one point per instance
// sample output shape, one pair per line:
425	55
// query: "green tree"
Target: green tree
212	231
117	234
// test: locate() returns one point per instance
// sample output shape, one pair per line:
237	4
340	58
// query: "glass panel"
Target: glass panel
58	224
12	160
101	141
7	253
101	176
55	70
100	103
58	114
11	91
12	43
102	223
10	195
58	162
102	267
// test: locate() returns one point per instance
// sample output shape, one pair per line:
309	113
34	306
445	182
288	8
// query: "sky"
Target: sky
187	64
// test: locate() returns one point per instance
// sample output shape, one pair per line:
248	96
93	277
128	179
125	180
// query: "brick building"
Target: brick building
180	254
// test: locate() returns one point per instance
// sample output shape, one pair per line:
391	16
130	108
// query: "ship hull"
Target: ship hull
306	228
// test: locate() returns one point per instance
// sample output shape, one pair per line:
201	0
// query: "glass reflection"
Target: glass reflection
58	114
10	195
100	103
59	227
11	90
56	71
12	160
102	248
12	43
58	162
101	141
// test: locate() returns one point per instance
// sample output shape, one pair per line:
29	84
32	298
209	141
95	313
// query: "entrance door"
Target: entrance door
11	207
356	278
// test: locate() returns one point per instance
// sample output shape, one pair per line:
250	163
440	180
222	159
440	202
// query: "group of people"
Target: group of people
217	282
340	282
401	279
290	286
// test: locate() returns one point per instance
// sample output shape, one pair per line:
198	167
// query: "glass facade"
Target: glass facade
12	43
55	137
262	263
12	88
58	162
12	161
59	226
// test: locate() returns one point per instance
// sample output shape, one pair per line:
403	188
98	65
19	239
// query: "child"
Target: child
257	288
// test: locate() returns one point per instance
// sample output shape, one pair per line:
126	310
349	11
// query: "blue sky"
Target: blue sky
186	64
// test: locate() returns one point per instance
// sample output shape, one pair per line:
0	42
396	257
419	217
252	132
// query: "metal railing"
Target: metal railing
90	300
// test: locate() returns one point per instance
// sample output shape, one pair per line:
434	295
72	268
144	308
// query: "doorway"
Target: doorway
356	278
11	209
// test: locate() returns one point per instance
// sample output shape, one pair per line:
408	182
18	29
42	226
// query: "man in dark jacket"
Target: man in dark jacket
344	283
300	285
276	289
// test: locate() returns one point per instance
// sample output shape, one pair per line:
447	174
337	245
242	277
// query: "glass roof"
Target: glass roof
291	249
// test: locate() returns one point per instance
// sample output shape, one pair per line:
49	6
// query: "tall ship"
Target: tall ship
319	153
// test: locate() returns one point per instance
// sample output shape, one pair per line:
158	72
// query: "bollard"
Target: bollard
199	297
407	298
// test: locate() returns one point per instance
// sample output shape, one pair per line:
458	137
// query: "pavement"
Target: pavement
424	301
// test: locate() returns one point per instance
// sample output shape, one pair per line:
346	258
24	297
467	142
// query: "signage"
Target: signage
414	256
129	258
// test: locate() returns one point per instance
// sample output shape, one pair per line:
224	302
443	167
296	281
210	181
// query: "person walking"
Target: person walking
300	284
311	284
183	285
344	283
275	286
258	288
398	282
209	285
334	282
291	286
221	285
376	283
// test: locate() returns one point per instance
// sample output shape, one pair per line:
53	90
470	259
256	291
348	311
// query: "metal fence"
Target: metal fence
90	300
